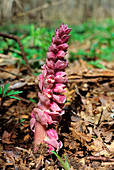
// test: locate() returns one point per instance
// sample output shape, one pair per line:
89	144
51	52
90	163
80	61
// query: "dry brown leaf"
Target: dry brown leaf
26	137
6	137
24	117
111	147
97	146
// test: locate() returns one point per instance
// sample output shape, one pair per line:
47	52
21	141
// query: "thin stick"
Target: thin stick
100	158
40	8
10	73
17	39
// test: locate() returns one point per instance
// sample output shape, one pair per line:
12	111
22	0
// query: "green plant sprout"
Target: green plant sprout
4	92
65	164
22	121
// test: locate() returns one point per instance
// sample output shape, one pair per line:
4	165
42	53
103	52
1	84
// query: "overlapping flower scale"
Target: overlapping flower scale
52	83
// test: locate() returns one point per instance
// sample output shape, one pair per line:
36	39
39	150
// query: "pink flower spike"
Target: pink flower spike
52	82
61	64
52	134
61	54
54	107
51	56
59	88
63	46
59	98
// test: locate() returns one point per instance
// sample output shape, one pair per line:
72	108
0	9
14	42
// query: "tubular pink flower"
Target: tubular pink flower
61	99
48	82
43	98
59	88
51	56
56	40
52	134
65	38
55	107
61	64
50	64
60	77
52	82
61	54
53	48
64	29
42	117
48	92
63	46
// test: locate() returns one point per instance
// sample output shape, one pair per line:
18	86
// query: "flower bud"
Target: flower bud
53	48
64	29
61	54
60	77
48	93
54	107
50	64
63	46
61	99
61	64
65	38
51	56
52	134
44	99
56	40
59	88
49	80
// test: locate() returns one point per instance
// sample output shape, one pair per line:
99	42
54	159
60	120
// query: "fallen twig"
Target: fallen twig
17	39
100	158
10	73
40	8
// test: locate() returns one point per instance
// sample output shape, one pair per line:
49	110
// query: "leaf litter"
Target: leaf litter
86	129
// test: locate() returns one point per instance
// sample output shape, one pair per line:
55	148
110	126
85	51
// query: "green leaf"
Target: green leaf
0	90
60	159
22	120
12	92
6	88
13	97
66	162
32	100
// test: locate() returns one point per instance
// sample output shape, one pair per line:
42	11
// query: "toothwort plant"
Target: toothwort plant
52	83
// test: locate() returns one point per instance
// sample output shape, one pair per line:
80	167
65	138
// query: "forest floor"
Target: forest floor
86	128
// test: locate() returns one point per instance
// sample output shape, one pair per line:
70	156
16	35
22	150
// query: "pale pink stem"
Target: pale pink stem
39	135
